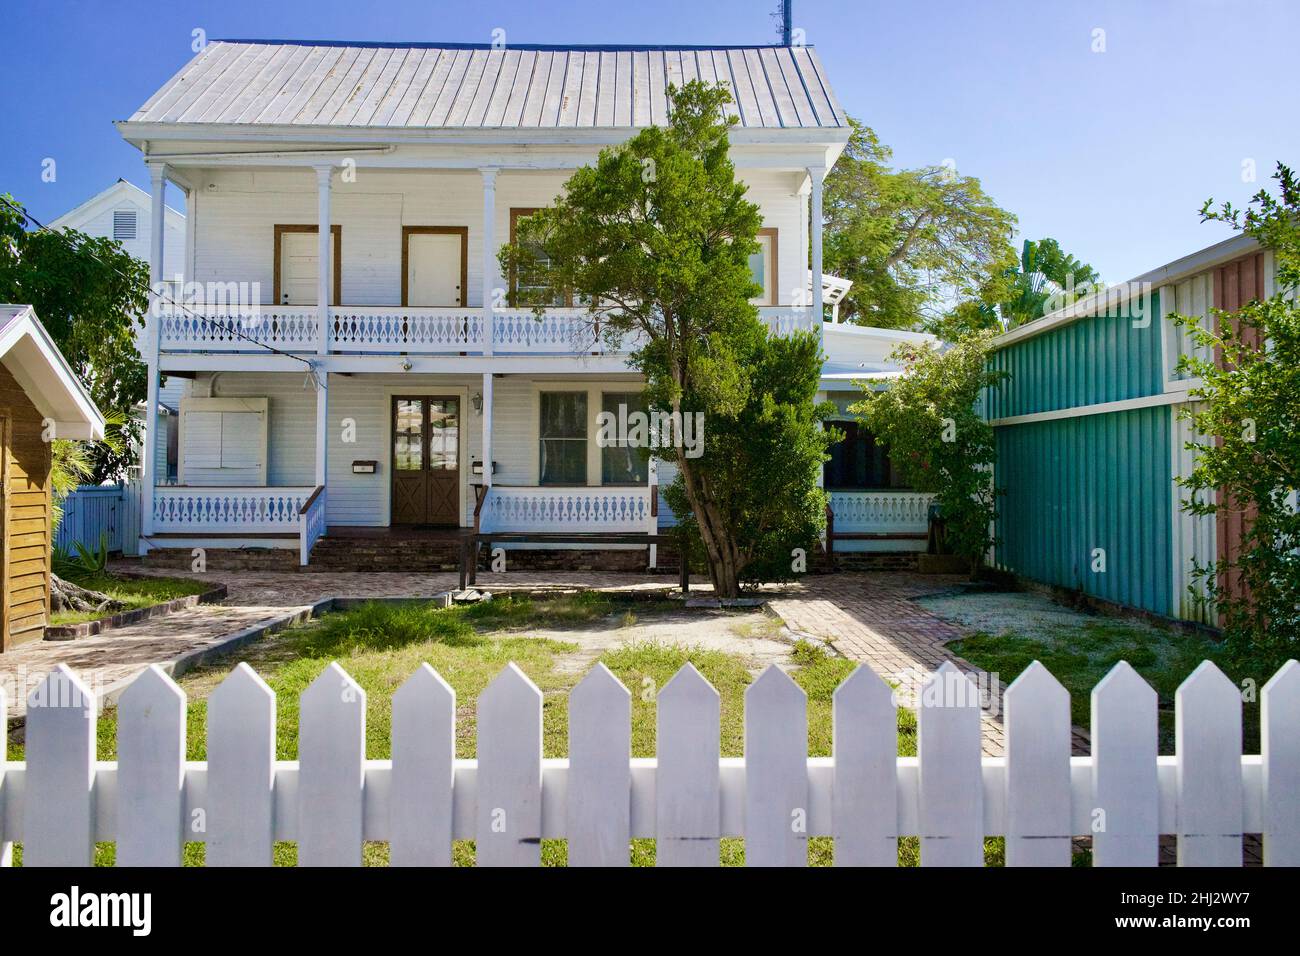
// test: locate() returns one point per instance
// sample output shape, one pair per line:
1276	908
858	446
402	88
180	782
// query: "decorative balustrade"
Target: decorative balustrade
311	524
786	319
290	328
566	509
899	512
383	329
395	329
184	509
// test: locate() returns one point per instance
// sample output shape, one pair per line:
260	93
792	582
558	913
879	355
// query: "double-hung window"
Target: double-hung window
563	438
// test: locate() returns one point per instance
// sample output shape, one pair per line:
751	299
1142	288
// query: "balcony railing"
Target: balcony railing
418	331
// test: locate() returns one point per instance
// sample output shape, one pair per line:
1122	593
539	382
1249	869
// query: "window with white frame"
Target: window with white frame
623	462
563	438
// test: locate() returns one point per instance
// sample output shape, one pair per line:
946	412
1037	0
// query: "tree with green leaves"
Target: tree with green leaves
91	295
913	241
656	239
937	438
1039	282
1248	417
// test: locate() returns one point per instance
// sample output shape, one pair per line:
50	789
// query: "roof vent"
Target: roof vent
123	224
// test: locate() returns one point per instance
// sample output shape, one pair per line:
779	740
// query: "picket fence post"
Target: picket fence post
864	792
688	810
424	754
951	775
1126	794
59	784
1279	719
331	770
240	816
1037	711
151	771
599	791
776	771
508	827
1207	721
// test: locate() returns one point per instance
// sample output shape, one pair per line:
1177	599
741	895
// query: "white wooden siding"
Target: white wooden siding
1194	537
235	227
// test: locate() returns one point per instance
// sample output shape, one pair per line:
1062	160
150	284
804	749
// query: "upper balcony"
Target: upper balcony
394	330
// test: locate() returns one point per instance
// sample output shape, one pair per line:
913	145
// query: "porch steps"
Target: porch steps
349	553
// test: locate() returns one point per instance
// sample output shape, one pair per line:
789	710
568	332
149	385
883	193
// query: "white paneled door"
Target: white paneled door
435	267
299	265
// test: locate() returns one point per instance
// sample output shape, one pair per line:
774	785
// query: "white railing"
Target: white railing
311	524
885	512
184	509
787	319
394	329
578	510
555	331
290	328
385	329
331	799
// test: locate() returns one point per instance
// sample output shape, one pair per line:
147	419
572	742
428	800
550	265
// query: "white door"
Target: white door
299	267
433	269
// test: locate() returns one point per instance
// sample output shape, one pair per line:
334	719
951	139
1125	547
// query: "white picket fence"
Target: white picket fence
151	801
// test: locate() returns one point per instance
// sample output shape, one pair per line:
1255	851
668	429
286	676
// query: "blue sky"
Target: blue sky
1110	152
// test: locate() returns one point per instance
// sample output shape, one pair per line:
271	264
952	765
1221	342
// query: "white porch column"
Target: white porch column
152	337
322	423
816	174
325	260
487	430
489	174
652	523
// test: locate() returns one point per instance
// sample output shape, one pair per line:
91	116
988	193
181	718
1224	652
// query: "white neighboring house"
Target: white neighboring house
122	212
359	194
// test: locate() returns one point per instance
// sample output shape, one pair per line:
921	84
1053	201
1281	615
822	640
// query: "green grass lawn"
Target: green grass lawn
133	592
380	645
1079	657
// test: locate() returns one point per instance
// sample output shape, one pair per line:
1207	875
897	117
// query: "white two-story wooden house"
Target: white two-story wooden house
349	364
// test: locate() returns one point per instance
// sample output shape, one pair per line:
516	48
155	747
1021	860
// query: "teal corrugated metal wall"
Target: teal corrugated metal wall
1095	481
1087	362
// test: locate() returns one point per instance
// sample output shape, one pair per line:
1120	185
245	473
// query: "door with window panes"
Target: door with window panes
426	460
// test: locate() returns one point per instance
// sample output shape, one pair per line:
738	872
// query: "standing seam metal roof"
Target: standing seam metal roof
371	85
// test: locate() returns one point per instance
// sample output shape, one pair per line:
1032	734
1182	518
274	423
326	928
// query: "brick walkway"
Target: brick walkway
874	618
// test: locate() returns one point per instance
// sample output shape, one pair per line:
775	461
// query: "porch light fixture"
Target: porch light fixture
477	402
406	365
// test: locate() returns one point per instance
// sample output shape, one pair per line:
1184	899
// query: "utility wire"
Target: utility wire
161	295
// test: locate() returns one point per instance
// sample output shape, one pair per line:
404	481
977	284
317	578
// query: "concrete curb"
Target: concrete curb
72	632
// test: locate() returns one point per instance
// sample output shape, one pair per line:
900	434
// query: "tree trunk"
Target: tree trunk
719	545
66	596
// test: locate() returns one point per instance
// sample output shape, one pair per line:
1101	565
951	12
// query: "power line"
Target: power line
161	294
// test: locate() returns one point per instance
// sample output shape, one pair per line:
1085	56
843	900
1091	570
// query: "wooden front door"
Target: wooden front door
426	460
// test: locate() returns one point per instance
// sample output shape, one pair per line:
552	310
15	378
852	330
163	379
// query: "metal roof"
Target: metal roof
368	85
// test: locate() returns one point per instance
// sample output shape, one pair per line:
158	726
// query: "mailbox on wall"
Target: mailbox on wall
365	467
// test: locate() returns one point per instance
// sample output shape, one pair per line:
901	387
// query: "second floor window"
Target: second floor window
563	438
532	286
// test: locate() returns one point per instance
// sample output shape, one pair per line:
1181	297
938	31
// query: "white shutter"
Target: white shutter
202	440
241	433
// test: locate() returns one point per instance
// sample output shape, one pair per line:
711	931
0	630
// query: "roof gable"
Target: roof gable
120	192
36	363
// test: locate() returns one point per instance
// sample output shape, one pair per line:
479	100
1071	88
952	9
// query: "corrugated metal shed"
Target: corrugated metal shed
1107	358
295	83
1094	482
